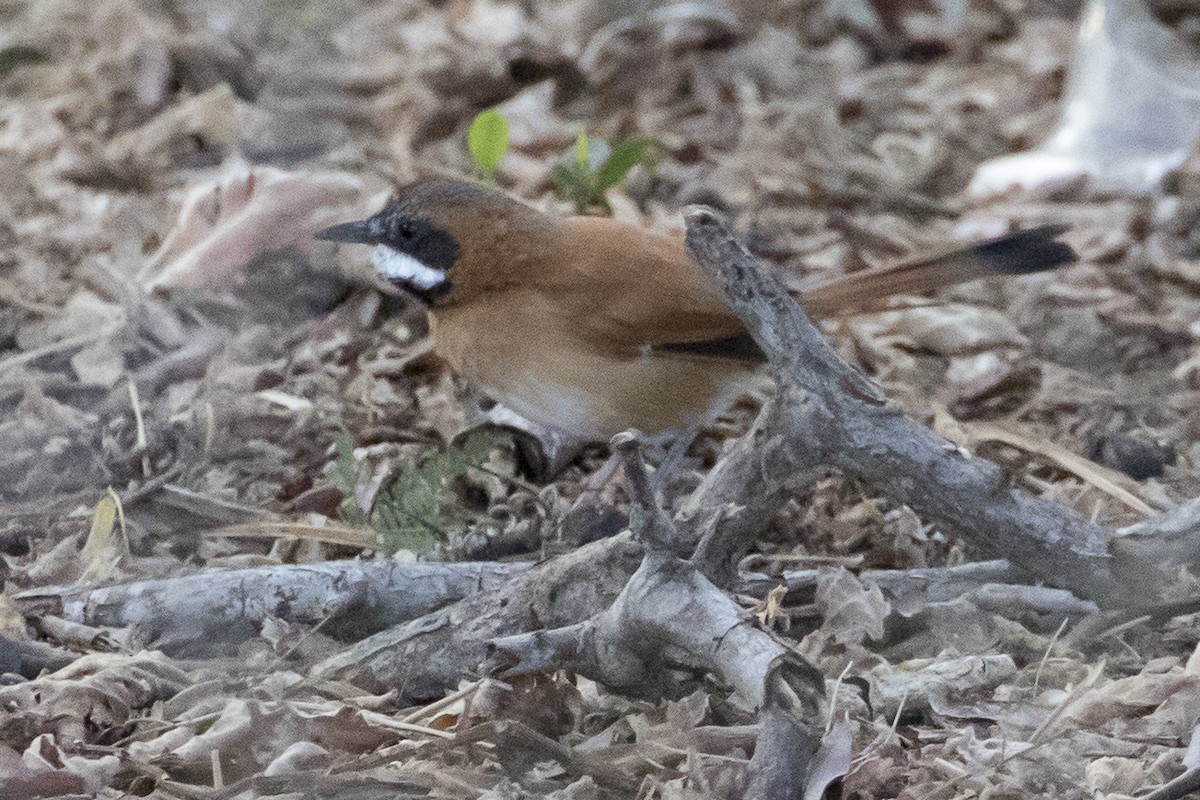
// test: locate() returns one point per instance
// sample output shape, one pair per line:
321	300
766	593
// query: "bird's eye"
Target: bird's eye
406	231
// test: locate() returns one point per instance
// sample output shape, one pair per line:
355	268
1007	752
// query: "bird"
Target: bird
588	326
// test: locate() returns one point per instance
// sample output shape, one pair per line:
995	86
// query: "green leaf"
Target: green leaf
345	479
624	157
581	151
574	184
487	139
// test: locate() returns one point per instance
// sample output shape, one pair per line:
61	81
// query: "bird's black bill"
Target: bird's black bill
361	232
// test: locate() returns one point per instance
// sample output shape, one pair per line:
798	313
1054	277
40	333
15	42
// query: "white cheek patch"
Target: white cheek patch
396	266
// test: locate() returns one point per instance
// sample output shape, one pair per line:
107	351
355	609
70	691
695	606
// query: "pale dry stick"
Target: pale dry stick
891	732
429	709
210	427
1124	626
896	719
1039	735
701	754
218	776
384	721
140	427
1037	677
116	498
325	534
61	346
300	640
834	695
215	608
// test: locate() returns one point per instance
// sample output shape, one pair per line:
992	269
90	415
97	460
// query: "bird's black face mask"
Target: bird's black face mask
410	252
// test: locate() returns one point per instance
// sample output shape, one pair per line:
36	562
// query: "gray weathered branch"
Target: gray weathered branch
831	414
214	609
669	615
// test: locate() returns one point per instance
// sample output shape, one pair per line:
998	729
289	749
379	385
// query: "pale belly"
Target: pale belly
561	384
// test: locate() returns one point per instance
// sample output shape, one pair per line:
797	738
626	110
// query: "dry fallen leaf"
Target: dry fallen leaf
215	119
224	224
950	329
853	610
105	548
769	611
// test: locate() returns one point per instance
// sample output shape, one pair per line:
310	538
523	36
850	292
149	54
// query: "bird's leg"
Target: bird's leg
676	442
545	452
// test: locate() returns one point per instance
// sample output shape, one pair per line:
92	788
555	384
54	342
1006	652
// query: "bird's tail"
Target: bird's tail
1020	253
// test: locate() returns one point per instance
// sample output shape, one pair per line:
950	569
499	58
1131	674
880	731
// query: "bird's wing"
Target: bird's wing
638	290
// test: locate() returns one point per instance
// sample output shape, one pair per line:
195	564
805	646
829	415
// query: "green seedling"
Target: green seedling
593	166
410	514
487	139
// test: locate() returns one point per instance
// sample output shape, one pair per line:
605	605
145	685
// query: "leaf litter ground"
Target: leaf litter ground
188	380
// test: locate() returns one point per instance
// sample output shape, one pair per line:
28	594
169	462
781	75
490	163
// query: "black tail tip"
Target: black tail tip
1028	251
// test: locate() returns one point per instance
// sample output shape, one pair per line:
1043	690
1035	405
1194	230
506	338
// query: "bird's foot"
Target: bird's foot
542	452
